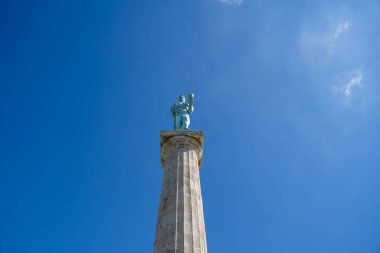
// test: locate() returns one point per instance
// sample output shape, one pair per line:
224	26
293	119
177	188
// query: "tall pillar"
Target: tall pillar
180	226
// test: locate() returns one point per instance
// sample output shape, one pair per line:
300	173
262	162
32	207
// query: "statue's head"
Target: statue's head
181	99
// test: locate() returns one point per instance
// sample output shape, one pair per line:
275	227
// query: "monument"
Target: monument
180	225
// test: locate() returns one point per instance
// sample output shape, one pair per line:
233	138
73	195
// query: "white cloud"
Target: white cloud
347	81
232	2
342	27
333	47
324	45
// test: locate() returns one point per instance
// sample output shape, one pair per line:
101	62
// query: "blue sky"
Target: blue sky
287	94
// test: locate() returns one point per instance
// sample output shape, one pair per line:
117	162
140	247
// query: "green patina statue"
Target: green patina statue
181	112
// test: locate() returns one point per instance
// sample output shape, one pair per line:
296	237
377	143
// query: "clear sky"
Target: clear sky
287	93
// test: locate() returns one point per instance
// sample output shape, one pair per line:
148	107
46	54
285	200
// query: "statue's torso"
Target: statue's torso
180	108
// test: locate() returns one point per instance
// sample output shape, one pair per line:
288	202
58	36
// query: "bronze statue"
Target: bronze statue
181	112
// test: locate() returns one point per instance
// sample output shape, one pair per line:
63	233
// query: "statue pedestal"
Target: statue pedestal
180	226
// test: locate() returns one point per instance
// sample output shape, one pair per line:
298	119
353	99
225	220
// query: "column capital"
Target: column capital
171	139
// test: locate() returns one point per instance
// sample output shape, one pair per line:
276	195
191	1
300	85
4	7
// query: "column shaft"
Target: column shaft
180	225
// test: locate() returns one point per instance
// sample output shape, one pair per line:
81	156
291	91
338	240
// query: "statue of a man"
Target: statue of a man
181	112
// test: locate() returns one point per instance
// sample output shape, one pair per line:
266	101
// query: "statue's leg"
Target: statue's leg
177	124
186	121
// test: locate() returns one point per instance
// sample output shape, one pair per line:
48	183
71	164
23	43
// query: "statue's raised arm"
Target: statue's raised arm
190	98
181	112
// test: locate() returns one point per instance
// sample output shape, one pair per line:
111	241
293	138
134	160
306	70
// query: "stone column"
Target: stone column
180	226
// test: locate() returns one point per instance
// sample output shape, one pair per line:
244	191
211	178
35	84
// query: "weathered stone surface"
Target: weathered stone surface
180	225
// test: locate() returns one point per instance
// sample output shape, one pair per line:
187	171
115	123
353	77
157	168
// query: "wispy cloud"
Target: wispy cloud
343	26
333	48
232	2
347	81
321	46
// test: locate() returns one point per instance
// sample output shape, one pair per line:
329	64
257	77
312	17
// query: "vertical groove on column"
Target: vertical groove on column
195	228
190	201
200	234
180	222
176	208
204	242
203	218
183	210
